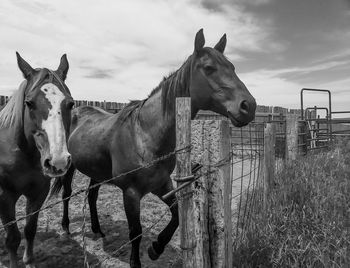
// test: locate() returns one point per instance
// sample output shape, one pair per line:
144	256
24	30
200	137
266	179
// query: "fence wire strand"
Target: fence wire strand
148	165
246	155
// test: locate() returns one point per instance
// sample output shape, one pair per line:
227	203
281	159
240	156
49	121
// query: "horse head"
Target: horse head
215	85
46	115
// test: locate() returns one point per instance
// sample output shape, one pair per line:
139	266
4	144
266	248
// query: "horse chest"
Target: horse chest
22	177
16	168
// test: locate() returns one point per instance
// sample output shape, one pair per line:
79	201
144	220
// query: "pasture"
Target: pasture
307	220
306	223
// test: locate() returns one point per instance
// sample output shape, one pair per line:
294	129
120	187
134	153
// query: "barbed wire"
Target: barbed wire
218	164
148	165
253	152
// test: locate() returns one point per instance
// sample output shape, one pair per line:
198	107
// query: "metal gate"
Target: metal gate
321	131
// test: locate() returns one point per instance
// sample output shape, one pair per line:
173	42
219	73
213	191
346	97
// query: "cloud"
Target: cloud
120	50
281	87
99	74
125	46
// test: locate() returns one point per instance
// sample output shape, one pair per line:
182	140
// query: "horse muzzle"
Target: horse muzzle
55	167
245	113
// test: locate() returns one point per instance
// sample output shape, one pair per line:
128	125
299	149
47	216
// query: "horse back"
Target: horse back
89	141
83	113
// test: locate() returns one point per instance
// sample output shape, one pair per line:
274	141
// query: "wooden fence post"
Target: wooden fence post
216	184
200	154
291	137
212	199
269	159
2	100
225	150
183	169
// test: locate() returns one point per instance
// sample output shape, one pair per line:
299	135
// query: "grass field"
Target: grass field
307	220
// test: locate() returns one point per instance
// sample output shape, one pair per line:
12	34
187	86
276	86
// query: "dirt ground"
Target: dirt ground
56	250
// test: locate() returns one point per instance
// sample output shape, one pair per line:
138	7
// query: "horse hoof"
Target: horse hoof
135	265
152	254
65	235
98	233
97	236
66	231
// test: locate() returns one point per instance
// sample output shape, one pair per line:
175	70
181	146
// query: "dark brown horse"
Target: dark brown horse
105	145
33	129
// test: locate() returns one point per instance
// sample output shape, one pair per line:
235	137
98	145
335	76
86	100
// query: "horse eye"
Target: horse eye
30	104
209	69
70	105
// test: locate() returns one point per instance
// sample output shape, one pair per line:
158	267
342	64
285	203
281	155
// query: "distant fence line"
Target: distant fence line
262	112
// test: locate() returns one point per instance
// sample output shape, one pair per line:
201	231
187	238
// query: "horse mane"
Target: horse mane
130	108
12	113
174	85
168	85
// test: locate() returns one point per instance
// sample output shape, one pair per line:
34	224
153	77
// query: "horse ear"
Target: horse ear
24	66
62	69
199	41
220	46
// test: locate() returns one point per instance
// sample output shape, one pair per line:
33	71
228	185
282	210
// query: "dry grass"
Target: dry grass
307	220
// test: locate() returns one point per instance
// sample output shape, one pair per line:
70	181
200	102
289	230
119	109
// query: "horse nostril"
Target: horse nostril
244	107
69	160
47	163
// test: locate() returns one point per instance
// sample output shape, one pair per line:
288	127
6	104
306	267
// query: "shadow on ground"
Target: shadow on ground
117	235
51	250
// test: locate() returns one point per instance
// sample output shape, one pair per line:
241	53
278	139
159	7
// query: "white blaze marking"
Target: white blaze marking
54	128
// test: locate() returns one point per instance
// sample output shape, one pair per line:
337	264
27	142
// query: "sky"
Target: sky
120	50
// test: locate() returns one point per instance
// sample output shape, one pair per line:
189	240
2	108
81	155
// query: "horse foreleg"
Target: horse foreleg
164	237
34	203
13	236
66	193
132	199
92	197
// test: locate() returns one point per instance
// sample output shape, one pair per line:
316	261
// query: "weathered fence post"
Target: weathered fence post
183	169
2	100
200	154
291	137
213	218
225	151
269	159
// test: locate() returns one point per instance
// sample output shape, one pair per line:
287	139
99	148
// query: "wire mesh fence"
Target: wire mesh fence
247	145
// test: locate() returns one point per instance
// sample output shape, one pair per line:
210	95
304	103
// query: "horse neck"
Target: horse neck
157	115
